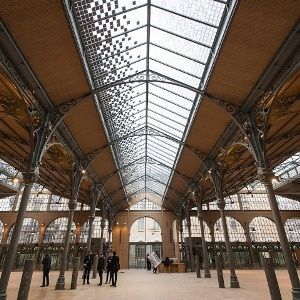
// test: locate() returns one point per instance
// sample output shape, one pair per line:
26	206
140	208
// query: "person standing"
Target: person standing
155	268
108	267
148	263
115	267
100	267
87	264
46	262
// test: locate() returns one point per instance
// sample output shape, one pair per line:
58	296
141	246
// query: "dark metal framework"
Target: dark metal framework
148	63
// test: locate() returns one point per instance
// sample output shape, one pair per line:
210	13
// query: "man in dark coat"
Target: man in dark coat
115	267
148	263
87	264
108	267
46	262
100	267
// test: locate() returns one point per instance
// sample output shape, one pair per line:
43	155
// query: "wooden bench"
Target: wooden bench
172	268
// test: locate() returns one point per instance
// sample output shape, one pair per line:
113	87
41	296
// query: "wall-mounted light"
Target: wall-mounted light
275	179
117	223
124	223
15	179
83	171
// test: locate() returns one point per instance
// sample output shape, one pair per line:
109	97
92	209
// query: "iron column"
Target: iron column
217	175
204	246
234	283
76	177
265	176
188	224
103	215
91	221
29	179
60	284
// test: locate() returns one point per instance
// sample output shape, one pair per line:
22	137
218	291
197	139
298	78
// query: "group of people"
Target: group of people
111	263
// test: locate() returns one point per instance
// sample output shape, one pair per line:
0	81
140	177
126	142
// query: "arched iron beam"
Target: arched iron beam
90	157
154	192
63	109
106	178
141	132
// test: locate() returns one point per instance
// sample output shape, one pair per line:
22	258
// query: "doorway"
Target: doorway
145	237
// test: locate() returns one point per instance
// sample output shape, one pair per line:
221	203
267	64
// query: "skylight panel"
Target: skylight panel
150	72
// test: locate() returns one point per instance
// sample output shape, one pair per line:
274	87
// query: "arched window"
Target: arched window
145	230
195	229
7	203
96	232
56	231
145	204
262	229
292	228
235	231
29	232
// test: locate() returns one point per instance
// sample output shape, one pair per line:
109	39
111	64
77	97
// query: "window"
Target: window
262	229
56	231
145	204
195	229
29	232
141	224
59	203
292	228
38	201
235	231
145	230
6	204
96	232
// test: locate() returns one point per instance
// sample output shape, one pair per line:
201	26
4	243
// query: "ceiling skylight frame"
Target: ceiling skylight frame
163	117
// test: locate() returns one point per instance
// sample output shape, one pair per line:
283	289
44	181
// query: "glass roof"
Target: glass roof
148	60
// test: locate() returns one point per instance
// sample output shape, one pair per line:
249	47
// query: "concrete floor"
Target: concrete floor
140	284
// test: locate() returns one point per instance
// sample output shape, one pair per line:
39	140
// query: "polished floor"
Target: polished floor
140	284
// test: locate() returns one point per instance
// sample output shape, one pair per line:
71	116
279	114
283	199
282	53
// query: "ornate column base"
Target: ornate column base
60	284
295	293
3	295
234	283
207	273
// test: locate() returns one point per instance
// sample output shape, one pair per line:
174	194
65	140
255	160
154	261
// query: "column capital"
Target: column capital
264	173
72	205
221	203
29	177
188	223
200	214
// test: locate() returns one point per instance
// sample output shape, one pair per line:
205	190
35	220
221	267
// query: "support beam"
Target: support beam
76	177
204	246
217	175
188	224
